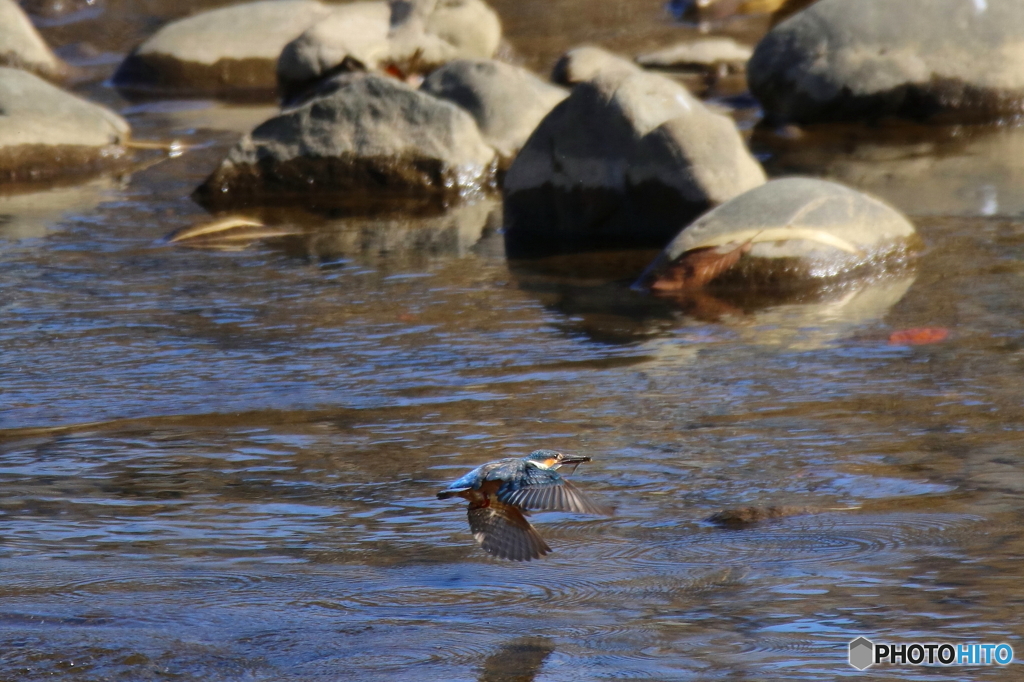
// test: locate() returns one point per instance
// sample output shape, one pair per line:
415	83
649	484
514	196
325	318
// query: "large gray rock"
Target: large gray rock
412	36
586	62
955	60
796	227
508	102
22	47
47	133
361	140
626	160
224	52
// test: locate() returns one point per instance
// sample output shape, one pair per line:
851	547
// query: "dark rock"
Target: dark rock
623	162
48	133
947	60
506	101
229	52
360	140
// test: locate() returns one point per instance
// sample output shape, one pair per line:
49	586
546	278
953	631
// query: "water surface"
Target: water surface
220	463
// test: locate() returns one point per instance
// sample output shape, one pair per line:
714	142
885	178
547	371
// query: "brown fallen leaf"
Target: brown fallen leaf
697	268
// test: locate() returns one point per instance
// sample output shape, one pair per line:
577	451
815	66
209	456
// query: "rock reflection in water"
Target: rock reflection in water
32	215
593	292
326	239
518	661
922	170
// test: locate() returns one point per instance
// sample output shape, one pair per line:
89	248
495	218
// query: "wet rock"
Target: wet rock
407	36
506	101
705	54
230	51
585	63
947	60
791	229
625	160
360	140
48	133
22	47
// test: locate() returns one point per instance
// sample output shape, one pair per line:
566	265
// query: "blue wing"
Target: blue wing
545	490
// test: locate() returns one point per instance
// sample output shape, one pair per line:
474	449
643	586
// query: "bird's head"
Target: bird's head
550	459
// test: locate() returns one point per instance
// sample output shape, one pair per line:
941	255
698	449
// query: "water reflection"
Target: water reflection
325	239
31	215
922	170
518	661
594	295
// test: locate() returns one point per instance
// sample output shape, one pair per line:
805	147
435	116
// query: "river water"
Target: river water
220	463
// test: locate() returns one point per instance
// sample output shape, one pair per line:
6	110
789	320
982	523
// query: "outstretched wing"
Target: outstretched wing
546	490
503	531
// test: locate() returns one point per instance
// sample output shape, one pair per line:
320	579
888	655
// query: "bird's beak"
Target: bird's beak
573	459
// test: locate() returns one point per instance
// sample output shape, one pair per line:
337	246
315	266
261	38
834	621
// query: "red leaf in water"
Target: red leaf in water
918	336
697	268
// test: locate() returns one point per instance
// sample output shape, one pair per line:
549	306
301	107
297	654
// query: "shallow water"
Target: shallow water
220	463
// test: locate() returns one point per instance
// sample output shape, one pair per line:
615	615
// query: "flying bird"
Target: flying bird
502	493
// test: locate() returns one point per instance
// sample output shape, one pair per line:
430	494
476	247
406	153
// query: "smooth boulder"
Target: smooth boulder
231	51
360	140
352	37
22	47
625	160
48	133
793	228
587	62
409	37
942	60
507	102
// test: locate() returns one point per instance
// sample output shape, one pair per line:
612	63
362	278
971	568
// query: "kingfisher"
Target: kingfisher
502	493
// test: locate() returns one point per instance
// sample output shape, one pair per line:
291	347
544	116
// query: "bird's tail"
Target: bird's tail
503	531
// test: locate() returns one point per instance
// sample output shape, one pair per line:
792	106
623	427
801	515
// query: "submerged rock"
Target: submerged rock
231	51
586	62
787	230
22	47
950	60
48	133
407	36
360	140
623	162
507	102
706	53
